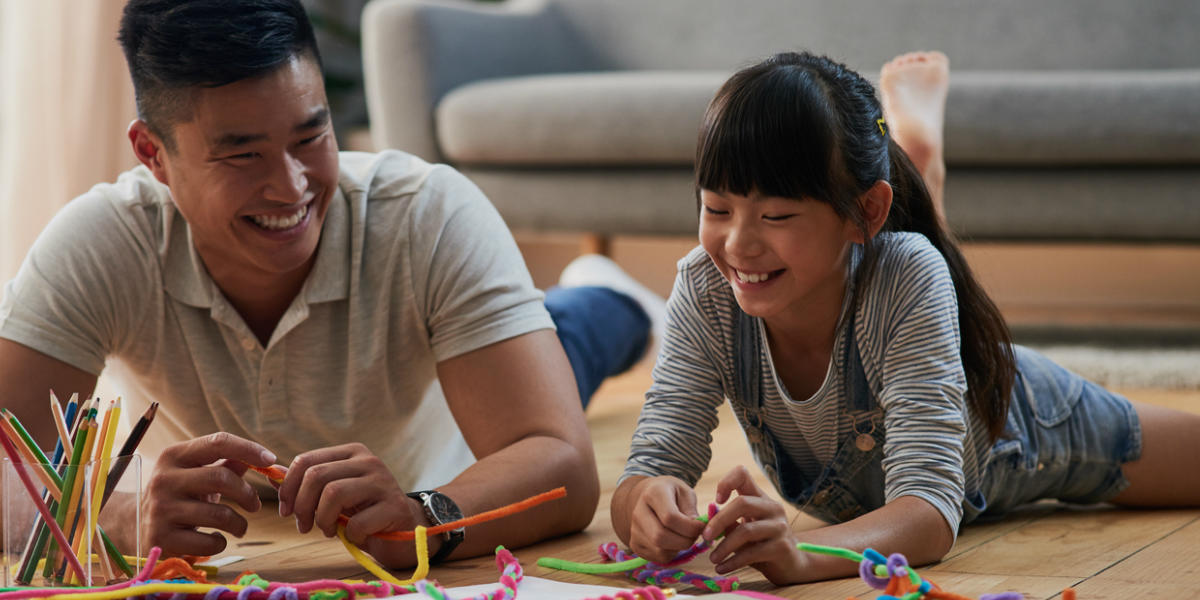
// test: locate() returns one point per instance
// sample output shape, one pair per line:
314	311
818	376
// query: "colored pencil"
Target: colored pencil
55	530
111	418
60	423
68	489
127	449
76	497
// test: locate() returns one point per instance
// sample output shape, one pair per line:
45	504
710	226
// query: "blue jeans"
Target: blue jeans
603	332
1066	438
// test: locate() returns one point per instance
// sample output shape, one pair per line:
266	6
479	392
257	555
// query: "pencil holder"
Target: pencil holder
82	516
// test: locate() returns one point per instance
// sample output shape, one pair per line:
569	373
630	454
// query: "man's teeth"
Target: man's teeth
280	223
751	277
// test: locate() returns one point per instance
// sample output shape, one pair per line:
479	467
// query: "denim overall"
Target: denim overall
849	485
1065	438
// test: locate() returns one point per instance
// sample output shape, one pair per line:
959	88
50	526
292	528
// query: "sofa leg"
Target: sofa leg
595	243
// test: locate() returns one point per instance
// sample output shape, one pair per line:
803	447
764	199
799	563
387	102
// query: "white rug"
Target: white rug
1166	368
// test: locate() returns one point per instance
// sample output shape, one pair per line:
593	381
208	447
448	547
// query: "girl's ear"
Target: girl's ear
876	203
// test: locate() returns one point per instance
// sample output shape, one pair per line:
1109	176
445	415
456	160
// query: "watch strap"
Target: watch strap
450	539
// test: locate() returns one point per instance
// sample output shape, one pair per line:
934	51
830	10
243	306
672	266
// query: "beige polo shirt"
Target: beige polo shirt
414	266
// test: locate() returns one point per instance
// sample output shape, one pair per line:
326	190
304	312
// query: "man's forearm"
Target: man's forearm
530	466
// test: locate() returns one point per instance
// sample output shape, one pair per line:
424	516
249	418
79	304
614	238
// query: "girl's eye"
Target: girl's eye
712	211
777	217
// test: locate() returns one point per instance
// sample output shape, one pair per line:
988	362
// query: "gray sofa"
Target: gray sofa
1067	120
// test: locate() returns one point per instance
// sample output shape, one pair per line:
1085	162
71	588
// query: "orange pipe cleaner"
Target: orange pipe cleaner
275	473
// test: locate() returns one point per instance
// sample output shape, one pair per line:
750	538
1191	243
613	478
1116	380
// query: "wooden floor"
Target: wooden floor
1102	552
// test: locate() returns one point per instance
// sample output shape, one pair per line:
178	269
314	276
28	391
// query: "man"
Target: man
276	296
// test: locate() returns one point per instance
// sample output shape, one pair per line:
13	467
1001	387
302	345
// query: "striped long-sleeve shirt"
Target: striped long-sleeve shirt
907	332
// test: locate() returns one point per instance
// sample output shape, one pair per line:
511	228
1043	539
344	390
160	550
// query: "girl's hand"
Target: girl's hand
756	529
663	521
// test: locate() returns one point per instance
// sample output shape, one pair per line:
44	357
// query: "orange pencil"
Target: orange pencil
33	457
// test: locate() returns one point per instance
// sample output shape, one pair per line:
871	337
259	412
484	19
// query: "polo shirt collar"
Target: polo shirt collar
186	279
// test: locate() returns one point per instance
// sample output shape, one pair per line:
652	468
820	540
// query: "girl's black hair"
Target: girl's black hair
799	125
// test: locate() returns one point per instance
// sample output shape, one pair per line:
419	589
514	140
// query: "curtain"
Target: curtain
65	103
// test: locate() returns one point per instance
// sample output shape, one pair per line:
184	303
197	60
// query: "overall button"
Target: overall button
822	497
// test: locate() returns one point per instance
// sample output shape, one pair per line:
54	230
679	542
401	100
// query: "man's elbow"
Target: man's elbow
584	495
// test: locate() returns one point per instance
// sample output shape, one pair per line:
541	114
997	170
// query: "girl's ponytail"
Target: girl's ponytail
987	353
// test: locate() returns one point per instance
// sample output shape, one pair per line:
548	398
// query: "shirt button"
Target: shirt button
248	344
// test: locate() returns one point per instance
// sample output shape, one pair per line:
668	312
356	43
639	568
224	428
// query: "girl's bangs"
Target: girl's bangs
767	133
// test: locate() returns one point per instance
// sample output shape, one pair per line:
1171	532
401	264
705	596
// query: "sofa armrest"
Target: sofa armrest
415	51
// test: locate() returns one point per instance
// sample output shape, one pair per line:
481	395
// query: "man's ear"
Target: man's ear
876	203
148	148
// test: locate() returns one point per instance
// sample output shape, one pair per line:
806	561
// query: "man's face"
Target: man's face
253	172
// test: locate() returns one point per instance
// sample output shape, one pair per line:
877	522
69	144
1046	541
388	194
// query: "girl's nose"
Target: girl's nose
743	240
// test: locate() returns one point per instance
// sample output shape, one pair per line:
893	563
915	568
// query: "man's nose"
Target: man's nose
288	180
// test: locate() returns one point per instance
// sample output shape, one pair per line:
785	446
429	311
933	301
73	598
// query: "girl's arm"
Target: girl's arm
758	535
654	508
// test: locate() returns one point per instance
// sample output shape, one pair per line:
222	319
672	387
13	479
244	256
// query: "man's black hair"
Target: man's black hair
173	45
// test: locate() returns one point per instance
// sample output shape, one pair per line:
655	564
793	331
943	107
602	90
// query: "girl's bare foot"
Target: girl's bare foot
913	90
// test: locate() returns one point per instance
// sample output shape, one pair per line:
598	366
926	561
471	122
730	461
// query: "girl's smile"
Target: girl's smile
784	258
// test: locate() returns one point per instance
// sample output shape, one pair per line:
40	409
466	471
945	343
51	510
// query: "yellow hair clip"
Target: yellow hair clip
880	123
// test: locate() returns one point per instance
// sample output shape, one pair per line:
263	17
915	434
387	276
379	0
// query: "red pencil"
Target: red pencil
55	530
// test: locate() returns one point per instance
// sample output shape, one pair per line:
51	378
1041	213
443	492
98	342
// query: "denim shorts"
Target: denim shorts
1066	439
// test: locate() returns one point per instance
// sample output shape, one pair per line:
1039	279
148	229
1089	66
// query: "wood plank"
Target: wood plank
1072	542
1170	560
973	585
1098	589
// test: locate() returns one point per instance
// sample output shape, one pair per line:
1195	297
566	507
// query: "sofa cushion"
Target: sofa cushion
613	118
651	118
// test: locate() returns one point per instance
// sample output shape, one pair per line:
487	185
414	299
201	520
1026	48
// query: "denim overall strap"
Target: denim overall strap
748	401
844	489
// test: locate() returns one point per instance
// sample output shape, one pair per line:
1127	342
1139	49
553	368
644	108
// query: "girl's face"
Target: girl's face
783	257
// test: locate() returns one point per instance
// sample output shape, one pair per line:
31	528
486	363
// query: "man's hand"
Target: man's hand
186	488
349	479
662	520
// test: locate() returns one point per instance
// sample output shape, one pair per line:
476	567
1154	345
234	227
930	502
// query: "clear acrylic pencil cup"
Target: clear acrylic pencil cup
83	543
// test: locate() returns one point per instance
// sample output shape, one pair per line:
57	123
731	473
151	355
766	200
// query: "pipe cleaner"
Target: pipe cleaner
645	571
252	587
899	581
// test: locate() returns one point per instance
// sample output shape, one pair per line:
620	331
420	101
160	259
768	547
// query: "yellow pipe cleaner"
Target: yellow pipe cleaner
369	563
144	590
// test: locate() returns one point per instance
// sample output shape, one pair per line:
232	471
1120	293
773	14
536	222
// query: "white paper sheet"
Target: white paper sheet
536	588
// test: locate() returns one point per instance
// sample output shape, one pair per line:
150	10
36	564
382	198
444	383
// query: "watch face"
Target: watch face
445	508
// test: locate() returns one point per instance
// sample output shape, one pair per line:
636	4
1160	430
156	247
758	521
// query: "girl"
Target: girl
875	381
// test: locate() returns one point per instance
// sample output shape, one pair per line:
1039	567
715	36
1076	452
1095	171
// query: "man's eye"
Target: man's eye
307	141
242	156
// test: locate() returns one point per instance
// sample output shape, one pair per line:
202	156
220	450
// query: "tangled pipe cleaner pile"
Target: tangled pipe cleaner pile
645	571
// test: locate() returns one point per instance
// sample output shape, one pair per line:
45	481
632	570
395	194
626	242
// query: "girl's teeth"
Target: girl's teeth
751	277
280	223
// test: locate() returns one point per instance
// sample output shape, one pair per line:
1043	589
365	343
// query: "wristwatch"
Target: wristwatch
440	509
